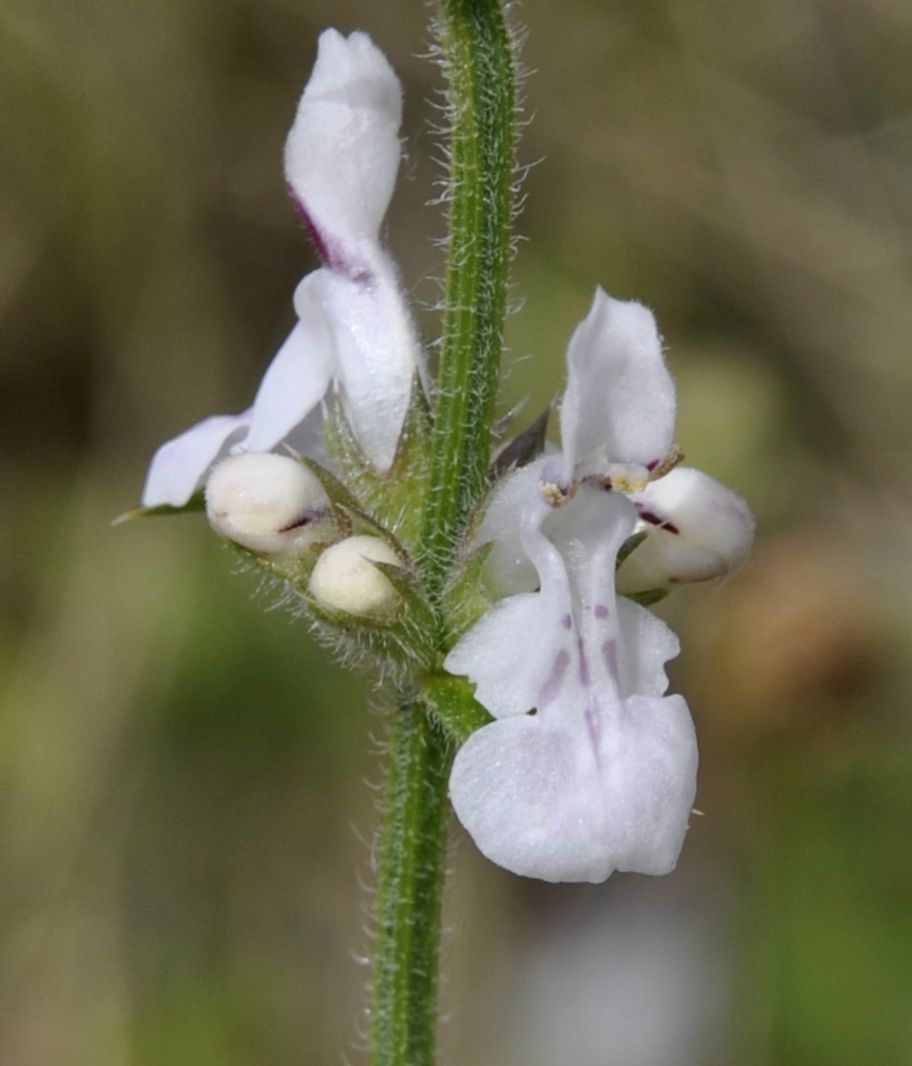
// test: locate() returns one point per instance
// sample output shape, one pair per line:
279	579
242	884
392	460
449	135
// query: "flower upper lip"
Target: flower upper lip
619	404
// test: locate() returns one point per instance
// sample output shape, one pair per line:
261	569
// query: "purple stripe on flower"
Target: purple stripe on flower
555	681
328	253
656	520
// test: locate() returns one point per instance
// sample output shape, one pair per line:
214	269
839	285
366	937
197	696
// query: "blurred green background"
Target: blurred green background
185	800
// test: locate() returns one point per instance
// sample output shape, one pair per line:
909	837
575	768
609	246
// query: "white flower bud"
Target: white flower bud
696	529
345	578
270	504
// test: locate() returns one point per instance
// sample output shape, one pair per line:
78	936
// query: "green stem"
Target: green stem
409	892
478	60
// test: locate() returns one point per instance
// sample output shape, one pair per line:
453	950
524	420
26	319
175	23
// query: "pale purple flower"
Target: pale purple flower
590	767
602	776
354	332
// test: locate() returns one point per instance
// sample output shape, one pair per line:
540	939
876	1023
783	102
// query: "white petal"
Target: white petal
625	645
508	568
307	438
697	529
619	406
517	650
343	150
533	649
646	644
525	645
300	372
180	464
510	499
345	578
376	355
588	532
271	504
548	803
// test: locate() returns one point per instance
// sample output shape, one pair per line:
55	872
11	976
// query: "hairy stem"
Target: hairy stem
409	891
478	60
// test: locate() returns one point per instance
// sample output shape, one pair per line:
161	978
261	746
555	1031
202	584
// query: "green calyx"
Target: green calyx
393	498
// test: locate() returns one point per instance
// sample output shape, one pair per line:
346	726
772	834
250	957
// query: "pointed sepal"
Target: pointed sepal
452	702
195	505
392	496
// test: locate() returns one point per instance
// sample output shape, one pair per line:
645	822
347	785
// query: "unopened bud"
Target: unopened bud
271	504
345	578
696	529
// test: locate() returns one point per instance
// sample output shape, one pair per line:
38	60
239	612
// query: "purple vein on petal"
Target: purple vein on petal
584	675
610	656
593	727
552	686
325	251
656	520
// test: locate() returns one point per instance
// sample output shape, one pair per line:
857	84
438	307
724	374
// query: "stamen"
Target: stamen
659	469
557	495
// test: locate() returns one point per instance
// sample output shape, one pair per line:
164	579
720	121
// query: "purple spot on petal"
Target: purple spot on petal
552	686
650	466
601	611
567	622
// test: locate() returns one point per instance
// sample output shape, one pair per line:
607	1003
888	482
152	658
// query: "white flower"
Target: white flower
345	578
602	776
269	504
353	329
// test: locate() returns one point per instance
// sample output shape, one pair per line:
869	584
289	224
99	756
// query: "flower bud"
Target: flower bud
345	578
696	529
271	504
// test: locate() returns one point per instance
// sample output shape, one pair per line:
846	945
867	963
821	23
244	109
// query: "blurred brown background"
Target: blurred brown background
183	796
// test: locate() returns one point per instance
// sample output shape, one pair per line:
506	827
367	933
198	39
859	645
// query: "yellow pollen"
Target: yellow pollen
628	484
555	495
